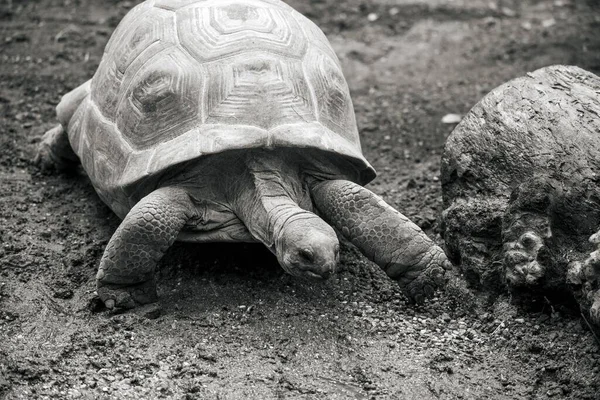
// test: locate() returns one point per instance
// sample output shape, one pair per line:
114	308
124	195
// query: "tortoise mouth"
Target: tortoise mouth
314	276
307	268
324	274
299	272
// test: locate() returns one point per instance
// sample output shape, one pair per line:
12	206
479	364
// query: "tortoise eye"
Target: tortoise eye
307	255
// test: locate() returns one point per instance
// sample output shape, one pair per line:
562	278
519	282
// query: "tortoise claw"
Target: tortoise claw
127	297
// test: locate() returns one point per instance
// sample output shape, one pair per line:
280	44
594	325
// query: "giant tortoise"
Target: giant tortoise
229	120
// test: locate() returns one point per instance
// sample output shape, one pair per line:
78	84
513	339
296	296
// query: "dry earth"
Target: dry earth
233	325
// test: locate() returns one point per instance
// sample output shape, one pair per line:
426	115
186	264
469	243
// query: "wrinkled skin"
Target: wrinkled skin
522	191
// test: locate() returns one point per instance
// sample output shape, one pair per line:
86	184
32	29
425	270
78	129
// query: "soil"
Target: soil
233	325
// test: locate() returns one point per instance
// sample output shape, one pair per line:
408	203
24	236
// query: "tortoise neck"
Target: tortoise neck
266	196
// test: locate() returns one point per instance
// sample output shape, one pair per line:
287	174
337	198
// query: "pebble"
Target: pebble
508	12
162	374
526	25
372	17
451	119
490	21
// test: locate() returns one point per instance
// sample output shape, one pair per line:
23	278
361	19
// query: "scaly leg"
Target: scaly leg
55	151
384	235
126	274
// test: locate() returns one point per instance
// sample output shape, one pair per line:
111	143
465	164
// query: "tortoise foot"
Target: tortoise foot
127	296
54	152
421	281
43	158
522	267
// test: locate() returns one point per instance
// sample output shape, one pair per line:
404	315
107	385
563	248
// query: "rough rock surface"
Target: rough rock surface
521	185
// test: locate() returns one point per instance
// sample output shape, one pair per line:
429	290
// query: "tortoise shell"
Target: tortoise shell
182	79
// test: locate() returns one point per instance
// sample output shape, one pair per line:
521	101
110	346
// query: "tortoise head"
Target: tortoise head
308	247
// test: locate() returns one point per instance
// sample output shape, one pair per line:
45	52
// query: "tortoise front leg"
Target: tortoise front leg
384	235
126	274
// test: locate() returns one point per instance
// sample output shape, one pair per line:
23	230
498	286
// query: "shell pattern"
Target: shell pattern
180	79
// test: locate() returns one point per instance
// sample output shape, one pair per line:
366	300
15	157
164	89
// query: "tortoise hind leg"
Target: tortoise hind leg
384	235
126	274
54	150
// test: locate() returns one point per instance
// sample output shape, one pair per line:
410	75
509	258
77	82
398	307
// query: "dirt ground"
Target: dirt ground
233	324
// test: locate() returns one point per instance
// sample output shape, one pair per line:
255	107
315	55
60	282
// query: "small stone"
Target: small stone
508	12
451	119
162	374
490	21
372	17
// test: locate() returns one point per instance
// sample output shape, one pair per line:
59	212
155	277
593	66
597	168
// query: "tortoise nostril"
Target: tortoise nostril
307	255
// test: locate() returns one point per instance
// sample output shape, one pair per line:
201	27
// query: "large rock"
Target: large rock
521	187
